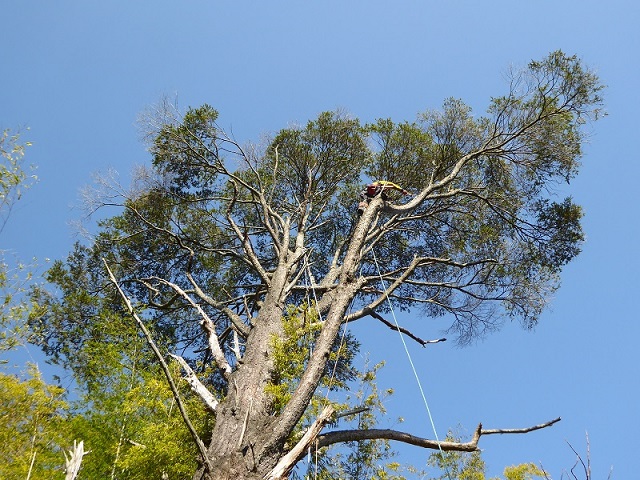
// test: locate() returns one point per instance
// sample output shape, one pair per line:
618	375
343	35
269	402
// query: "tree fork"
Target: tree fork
340	300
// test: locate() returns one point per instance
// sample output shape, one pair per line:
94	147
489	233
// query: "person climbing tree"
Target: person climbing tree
379	187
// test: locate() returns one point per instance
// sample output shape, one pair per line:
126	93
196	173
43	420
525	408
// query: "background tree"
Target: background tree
218	241
471	466
14	178
135	429
14	275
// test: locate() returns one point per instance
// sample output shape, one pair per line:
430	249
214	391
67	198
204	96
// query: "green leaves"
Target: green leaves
562	232
14	275
32	426
403	153
471	466
565	79
525	471
291	353
188	154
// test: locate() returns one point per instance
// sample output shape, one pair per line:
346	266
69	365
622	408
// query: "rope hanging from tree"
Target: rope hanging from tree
406	349
400	331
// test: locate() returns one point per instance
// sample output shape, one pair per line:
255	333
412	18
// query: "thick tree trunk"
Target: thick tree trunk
242	417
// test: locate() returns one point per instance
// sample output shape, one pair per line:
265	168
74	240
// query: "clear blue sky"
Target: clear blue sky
79	73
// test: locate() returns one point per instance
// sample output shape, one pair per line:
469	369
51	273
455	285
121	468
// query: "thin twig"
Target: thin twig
520	430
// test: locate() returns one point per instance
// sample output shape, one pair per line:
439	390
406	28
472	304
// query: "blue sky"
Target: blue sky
79	74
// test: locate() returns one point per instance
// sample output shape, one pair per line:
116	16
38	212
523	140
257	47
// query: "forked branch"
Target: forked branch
207	325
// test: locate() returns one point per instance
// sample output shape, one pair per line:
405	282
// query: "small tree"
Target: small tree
455	465
218	242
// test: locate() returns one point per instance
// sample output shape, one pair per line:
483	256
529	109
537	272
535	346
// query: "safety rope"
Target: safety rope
406	349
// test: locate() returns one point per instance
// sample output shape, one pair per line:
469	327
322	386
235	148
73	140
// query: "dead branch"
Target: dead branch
340	436
196	385
208	326
520	430
354	411
73	461
231	315
286	463
404	331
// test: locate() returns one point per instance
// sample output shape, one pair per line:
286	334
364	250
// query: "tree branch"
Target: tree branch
520	430
207	325
165	369
405	331
73	461
235	319
196	385
243	237
340	436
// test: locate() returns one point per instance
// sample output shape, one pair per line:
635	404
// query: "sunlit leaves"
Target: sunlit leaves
403	153
309	164
189	153
471	466
14	274
291	353
32	426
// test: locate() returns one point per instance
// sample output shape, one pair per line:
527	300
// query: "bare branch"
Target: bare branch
207	325
340	436
520	430
405	331
235	319
73	462
235	347
245	241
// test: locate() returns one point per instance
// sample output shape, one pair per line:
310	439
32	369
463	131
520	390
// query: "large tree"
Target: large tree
228	255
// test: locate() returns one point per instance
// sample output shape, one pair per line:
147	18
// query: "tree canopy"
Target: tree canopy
229	253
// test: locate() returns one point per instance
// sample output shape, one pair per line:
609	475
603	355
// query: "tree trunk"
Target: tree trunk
242	418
